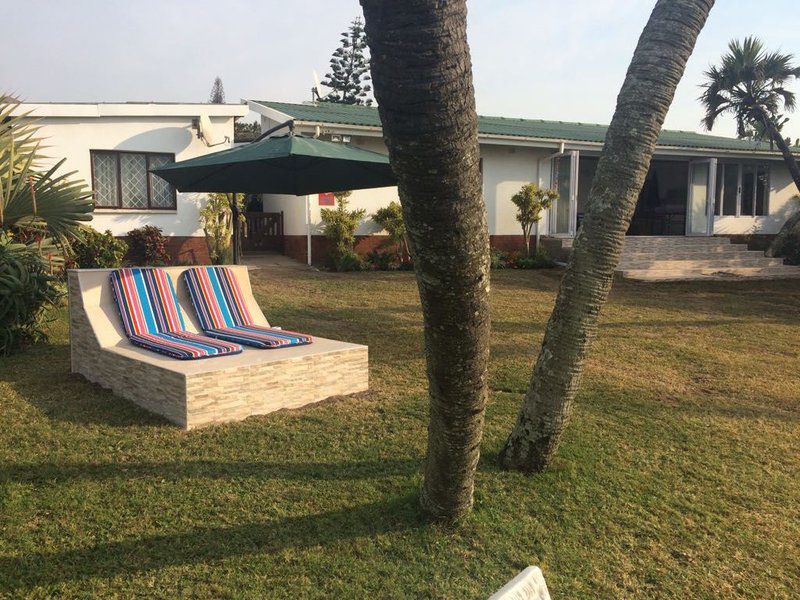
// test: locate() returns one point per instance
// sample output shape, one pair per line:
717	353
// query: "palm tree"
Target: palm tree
42	201
656	68
751	84
422	75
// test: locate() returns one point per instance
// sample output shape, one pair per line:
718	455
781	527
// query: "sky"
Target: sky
547	59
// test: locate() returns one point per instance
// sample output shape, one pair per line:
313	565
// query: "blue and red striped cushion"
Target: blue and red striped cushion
222	311
152	319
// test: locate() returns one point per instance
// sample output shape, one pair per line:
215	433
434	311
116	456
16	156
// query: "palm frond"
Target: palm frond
750	83
32	196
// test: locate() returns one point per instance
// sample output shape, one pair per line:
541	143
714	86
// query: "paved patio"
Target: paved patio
262	260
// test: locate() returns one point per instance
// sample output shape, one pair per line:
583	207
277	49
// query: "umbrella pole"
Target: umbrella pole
236	231
308	229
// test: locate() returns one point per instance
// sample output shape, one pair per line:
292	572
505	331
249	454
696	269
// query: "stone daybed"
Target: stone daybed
194	393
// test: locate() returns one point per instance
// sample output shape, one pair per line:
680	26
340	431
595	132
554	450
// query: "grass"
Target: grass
679	475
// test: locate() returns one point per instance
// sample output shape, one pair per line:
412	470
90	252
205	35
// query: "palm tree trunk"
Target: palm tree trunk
655	70
422	77
793	222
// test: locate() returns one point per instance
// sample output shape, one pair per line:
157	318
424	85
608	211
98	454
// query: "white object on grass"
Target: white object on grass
528	585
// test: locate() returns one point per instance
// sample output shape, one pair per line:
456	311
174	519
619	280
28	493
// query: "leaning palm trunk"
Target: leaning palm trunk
423	83
792	224
657	67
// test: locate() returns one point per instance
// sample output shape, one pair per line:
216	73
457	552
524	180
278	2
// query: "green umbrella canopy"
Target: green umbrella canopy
287	164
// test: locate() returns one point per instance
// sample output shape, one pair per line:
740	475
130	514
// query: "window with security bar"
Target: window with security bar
123	180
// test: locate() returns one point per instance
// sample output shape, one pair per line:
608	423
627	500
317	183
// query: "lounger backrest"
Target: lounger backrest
217	298
147	301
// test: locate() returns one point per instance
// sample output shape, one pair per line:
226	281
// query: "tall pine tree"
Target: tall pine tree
349	70
217	95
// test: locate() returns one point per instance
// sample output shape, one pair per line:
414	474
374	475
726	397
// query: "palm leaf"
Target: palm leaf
33	197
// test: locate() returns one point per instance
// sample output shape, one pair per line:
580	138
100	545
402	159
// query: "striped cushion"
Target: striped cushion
260	337
184	345
146	300
152	318
222	311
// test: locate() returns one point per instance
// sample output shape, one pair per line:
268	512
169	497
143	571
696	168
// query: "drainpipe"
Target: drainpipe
308	229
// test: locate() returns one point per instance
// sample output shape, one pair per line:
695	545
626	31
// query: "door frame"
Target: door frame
711	194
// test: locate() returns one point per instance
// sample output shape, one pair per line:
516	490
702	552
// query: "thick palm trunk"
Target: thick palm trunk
657	66
792	224
422	77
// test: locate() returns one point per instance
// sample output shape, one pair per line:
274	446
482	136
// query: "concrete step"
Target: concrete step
700	263
776	272
660	242
690	253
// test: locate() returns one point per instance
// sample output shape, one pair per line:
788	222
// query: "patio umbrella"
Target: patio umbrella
287	164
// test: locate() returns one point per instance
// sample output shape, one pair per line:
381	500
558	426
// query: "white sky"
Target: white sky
549	59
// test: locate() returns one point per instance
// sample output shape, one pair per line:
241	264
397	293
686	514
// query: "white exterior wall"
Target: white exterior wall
505	170
72	138
782	203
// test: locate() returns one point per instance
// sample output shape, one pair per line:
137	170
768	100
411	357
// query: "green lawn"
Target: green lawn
679	476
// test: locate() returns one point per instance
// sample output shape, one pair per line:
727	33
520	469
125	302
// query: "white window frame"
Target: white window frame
739	165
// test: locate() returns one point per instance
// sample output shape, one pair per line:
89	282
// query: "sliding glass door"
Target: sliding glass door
700	200
564	179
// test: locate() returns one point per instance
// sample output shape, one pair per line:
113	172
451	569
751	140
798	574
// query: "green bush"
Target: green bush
499	259
339	225
383	261
390	219
515	260
791	248
349	261
95	250
216	218
148	247
27	288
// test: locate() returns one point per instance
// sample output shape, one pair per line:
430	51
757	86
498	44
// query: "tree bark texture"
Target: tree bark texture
422	77
656	68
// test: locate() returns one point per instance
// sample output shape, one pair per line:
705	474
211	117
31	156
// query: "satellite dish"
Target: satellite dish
207	131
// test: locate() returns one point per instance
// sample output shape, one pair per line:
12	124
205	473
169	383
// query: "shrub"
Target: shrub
95	250
499	259
26	289
148	246
531	201
349	261
339	225
515	260
216	220
383	261
790	249
390	218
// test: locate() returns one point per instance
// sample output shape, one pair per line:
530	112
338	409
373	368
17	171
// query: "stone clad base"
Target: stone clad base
196	393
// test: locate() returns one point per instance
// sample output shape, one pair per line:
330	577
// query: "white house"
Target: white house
698	185
111	146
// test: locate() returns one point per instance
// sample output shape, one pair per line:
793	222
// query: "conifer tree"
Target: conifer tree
349	69
217	95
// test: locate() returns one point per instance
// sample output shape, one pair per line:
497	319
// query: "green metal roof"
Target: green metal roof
367	116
